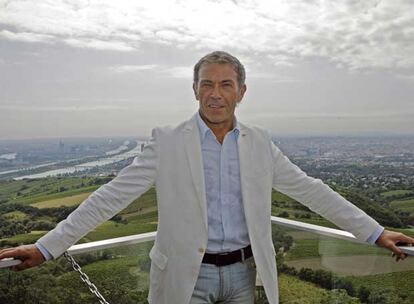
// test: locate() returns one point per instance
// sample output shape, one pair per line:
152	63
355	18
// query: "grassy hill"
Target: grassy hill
34	208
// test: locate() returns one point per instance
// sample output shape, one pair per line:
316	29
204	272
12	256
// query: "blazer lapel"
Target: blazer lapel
193	150
246	162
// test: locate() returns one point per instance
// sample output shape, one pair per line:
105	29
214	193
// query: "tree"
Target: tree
363	294
339	297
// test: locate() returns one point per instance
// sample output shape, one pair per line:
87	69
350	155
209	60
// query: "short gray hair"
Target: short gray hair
221	57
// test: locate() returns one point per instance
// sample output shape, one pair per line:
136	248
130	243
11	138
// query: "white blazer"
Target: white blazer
173	161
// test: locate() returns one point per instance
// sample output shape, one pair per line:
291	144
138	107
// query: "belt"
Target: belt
227	258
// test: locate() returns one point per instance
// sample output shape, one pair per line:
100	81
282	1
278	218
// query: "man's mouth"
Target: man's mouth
215	106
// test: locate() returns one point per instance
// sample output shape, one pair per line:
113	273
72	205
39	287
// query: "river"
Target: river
88	165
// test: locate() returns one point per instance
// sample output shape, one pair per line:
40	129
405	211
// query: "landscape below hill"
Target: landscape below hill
376	174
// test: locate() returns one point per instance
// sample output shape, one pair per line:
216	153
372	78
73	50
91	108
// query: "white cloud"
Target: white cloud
353	34
25	36
61	108
99	44
395	115
185	72
132	68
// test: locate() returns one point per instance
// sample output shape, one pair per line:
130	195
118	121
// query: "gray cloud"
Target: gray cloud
353	34
396	115
100	67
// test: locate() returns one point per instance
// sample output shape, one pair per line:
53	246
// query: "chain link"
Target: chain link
85	279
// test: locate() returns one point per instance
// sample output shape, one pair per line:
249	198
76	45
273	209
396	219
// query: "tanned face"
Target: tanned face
218	93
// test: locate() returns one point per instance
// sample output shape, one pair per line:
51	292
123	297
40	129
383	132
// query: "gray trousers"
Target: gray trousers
231	284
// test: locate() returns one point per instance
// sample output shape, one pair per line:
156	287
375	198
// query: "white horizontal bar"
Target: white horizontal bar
150	236
95	246
330	232
9	262
335	233
110	243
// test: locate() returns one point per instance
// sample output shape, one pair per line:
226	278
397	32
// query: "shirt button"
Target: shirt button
201	250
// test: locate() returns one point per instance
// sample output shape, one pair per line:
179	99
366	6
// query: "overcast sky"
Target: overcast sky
109	68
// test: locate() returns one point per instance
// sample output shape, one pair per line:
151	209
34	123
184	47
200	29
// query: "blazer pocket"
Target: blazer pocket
159	259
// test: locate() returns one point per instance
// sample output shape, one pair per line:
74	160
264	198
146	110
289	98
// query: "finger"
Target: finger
20	252
3	251
407	239
402	257
6	249
397	251
9	253
21	266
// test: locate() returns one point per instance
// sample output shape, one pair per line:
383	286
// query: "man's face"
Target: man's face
218	92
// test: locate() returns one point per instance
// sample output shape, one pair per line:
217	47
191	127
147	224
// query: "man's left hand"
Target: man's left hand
390	239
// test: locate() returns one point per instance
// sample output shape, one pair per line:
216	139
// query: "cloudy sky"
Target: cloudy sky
108	68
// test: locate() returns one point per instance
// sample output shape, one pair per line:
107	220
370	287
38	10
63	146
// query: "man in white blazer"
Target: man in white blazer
175	162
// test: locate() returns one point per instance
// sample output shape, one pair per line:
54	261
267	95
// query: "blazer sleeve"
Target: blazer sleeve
130	183
319	197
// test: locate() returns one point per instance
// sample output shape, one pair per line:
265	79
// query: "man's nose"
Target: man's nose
216	92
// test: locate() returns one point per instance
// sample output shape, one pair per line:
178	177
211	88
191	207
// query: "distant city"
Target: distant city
360	162
68	157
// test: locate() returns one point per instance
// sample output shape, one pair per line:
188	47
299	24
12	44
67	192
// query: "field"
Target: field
38	190
280	197
141	224
307	245
363	265
72	200
129	265
14	215
397	282
396	193
354	265
405	205
294	291
124	273
26	238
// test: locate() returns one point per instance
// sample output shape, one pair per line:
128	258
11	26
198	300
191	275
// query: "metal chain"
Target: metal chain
85	279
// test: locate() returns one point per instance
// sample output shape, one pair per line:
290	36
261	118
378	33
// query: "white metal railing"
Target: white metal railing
150	236
110	243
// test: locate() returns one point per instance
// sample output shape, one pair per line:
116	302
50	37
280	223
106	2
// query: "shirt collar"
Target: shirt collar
203	128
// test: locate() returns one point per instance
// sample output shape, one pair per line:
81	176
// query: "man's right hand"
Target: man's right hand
28	254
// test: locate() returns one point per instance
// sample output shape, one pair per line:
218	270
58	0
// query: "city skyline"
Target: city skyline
99	69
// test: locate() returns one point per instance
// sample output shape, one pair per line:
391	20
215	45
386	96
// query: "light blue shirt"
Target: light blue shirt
227	229
373	237
44	251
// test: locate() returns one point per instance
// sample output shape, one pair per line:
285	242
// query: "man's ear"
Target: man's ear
243	90
195	90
